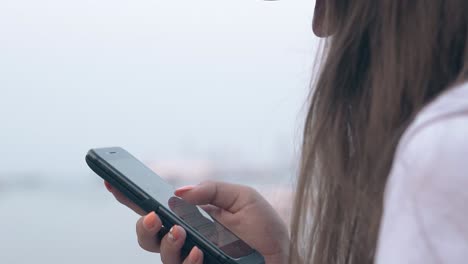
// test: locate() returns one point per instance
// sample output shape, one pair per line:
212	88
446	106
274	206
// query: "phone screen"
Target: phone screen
163	192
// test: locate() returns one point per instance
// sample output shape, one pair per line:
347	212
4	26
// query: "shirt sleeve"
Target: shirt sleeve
425	216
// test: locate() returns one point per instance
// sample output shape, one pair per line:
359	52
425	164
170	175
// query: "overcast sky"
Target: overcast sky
164	79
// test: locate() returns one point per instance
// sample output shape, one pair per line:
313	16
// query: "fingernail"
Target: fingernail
108	186
195	255
183	190
173	234
149	222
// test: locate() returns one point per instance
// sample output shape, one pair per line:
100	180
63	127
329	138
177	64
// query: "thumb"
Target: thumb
227	196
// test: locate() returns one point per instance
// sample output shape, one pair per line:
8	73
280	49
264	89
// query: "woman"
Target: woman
383	168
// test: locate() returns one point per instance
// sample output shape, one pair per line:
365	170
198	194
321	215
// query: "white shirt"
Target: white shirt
425	218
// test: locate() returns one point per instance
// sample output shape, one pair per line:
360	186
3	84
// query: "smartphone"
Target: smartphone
152	193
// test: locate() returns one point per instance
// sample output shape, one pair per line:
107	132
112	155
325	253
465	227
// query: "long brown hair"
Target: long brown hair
384	62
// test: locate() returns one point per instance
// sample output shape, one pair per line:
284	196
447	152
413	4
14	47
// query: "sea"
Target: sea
80	222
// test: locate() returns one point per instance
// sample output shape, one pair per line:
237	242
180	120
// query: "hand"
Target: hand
240	208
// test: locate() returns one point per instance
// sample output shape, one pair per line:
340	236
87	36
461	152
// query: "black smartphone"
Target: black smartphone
152	193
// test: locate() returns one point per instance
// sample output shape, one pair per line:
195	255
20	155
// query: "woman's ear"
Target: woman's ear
318	24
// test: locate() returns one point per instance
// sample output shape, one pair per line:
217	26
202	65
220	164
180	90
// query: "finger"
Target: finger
147	229
195	257
121	198
230	197
171	245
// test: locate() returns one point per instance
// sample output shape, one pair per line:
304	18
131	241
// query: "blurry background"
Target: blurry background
206	89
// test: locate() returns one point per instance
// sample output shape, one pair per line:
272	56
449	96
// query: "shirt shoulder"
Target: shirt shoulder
453	102
425	198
